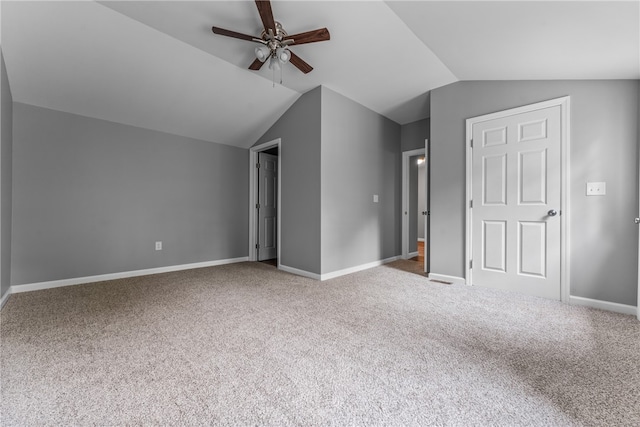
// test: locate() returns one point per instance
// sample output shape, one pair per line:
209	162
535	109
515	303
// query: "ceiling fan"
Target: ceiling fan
275	41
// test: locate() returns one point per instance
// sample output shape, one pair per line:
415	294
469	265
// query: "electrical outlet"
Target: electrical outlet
158	246
596	188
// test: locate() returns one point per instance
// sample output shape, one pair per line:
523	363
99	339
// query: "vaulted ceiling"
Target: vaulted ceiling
157	65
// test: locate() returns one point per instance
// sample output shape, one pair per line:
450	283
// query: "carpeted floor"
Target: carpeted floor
246	344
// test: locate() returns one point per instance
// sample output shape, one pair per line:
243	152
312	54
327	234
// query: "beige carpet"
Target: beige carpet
246	344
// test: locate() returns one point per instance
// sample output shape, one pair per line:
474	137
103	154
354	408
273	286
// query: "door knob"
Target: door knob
552	212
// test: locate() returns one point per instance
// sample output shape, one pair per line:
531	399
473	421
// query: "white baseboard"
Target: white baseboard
298	272
445	278
420	239
412	254
337	273
112	276
604	305
357	268
5	298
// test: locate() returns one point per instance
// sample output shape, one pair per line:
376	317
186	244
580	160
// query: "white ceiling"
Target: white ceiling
157	65
530	40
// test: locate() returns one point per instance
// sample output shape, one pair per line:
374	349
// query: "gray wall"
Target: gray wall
91	197
6	131
360	157
604	147
299	130
412	135
336	154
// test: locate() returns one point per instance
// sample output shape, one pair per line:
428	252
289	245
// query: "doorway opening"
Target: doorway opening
415	212
264	203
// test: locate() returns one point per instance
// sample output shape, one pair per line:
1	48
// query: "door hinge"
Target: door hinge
257	165
470	263
471	143
257	205
257	245
470	203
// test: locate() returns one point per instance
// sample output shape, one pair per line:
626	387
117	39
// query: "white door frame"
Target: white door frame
564	103
427	201
406	155
253	177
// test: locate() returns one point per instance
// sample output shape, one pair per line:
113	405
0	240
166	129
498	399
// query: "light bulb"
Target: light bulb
283	54
262	53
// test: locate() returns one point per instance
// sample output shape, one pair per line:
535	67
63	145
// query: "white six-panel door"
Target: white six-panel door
516	202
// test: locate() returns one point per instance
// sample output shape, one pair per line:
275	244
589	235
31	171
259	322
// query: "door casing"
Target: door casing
564	103
253	197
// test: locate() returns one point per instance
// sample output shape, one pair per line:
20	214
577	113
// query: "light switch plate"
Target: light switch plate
375	198
596	188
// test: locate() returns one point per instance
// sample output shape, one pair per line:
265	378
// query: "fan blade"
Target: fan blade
300	64
319	35
256	65
264	9
229	33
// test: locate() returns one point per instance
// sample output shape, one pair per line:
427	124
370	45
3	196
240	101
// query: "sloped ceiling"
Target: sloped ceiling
157	65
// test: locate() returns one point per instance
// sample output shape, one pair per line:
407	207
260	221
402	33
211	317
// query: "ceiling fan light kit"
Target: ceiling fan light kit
274	64
273	47
275	41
